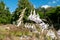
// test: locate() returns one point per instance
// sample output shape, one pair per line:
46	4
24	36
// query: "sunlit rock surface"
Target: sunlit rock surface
51	34
28	25
58	32
19	21
32	27
35	17
40	29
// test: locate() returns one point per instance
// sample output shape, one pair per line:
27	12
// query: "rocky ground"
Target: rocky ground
12	32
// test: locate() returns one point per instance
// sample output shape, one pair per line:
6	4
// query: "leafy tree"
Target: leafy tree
41	12
21	5
5	16
52	14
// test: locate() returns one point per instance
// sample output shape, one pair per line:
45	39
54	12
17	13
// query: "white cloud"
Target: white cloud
45	6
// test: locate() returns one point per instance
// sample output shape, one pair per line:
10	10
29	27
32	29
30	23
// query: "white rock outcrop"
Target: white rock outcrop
58	32
35	17
19	21
51	34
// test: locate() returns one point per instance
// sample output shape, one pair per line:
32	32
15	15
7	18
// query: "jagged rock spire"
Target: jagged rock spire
19	21
34	12
35	17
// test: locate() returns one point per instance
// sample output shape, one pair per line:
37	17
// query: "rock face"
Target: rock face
51	34
41	29
58	32
28	25
19	21
35	17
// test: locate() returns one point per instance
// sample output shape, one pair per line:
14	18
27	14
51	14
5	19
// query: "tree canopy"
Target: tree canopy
21	5
53	13
5	15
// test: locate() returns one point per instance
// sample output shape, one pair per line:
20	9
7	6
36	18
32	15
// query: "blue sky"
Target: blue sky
12	4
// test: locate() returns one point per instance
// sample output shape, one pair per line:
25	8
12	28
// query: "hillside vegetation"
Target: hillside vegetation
10	31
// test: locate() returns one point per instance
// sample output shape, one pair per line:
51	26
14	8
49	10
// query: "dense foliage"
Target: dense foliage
21	5
5	15
53	13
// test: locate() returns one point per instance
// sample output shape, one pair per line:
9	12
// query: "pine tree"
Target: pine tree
21	5
5	15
